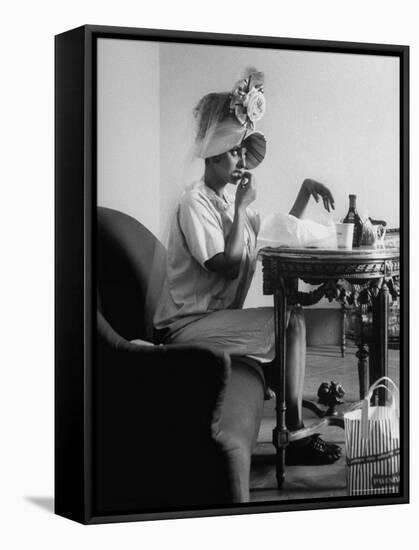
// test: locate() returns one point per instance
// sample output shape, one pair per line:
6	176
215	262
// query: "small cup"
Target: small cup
344	235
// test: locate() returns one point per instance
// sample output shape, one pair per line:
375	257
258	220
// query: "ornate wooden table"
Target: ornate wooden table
363	277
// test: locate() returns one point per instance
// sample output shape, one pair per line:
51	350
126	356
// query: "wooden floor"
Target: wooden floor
311	482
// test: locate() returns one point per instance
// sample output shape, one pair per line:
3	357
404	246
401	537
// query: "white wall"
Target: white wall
128	149
332	117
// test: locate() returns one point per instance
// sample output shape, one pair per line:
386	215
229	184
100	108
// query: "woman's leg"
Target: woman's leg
311	450
295	368
251	332
236	331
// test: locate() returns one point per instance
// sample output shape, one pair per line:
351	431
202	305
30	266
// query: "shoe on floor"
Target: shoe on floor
311	451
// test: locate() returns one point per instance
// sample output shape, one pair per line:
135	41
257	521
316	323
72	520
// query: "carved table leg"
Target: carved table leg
372	359
362	355
280	433
380	335
343	330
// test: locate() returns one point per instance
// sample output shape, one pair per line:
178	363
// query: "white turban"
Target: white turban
227	120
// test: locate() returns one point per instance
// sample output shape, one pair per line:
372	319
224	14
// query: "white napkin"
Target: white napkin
285	230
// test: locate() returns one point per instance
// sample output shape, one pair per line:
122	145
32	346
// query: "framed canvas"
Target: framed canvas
231	334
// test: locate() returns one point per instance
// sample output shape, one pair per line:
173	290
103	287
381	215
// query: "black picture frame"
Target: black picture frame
75	268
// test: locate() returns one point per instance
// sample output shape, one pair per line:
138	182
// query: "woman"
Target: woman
211	253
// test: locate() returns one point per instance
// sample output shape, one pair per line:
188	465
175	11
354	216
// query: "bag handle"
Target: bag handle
380	381
394	392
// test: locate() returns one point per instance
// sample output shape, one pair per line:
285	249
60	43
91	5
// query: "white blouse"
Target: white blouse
199	230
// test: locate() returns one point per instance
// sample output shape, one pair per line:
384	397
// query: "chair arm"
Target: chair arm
157	414
188	379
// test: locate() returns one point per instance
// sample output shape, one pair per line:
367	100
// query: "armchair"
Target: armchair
174	425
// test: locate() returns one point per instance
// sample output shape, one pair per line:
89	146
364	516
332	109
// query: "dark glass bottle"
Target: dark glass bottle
353	217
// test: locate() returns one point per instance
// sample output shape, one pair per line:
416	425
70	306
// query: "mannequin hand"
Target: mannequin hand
317	190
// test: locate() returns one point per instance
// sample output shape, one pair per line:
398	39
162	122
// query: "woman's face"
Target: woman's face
230	165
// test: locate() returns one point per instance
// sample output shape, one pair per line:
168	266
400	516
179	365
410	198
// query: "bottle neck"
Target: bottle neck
352	202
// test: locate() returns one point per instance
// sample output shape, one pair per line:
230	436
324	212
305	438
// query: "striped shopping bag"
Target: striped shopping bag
372	437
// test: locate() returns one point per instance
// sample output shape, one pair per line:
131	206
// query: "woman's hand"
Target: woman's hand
317	190
246	190
228	262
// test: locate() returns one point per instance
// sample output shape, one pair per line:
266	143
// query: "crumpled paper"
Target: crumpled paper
286	230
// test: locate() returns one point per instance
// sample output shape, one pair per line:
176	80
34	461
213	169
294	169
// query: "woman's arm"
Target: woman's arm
313	188
228	262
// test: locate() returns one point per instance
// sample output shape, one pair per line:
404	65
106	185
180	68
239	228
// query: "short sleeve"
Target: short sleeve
201	228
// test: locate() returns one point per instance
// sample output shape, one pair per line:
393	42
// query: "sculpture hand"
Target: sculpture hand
317	190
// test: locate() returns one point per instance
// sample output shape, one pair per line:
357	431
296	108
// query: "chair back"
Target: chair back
131	269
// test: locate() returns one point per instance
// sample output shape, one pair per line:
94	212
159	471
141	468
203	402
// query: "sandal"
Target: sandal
311	451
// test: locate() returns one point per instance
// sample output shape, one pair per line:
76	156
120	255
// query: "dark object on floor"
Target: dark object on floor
330	394
312	451
174	425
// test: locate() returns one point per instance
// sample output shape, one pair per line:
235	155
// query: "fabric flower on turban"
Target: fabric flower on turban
248	101
226	120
